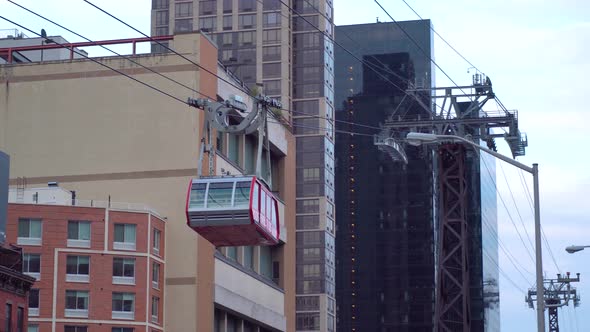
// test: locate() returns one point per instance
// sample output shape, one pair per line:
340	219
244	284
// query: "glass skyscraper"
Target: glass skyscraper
387	214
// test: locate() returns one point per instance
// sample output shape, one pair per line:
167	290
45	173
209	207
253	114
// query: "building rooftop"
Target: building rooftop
53	194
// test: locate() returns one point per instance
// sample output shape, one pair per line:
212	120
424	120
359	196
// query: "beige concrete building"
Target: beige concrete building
95	131
287	47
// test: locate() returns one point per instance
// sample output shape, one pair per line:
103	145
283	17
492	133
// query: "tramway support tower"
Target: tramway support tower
558	293
234	210
460	113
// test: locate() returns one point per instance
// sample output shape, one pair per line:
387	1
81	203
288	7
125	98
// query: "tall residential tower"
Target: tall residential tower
277	45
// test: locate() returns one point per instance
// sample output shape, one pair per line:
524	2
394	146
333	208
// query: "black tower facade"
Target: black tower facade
386	211
387	216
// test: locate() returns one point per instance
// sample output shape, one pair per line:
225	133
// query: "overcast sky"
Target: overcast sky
535	52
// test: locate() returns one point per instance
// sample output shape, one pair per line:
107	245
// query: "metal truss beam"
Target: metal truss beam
452	306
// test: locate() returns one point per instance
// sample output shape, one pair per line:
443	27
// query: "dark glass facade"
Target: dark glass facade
387	212
483	247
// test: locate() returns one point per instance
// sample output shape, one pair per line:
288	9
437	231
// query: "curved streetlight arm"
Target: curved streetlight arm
425	138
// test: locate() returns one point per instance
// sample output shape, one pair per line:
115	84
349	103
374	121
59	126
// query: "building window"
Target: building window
311	174
226	39
246	5
161	17
162	47
32	265
308	321
247	21
272	87
183	25
265	261
33	328
183	9
247	38
226	55
76	304
208	24
156	275
308	206
155	308
71	328
248	257
271	5
8	317
122	329
227	22
271	70
77	269
34	302
308	222
227	6
271	53
232	252
310	270
160	4
208	7
156	241
124	237
271	20
271	36
20	319
79	234
161	31
313	90
29	232
123	306
123	271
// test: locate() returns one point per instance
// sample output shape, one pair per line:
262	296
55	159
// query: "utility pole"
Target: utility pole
558	293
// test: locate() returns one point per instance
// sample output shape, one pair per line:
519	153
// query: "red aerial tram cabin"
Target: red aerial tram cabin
233	211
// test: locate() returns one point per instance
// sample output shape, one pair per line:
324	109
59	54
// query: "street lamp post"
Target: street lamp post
573	249
425	138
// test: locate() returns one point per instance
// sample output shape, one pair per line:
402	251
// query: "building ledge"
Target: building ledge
247	294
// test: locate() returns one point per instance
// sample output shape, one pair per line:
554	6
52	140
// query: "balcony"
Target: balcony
249	294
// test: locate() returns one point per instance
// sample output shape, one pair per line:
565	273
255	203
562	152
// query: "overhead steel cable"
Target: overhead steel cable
112	51
530	201
168	48
528	237
528	251
441	37
151	70
208	71
506	276
420	48
347	51
100	63
511	258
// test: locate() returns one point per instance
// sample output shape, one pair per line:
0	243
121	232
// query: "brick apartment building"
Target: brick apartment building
14	287
97	268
